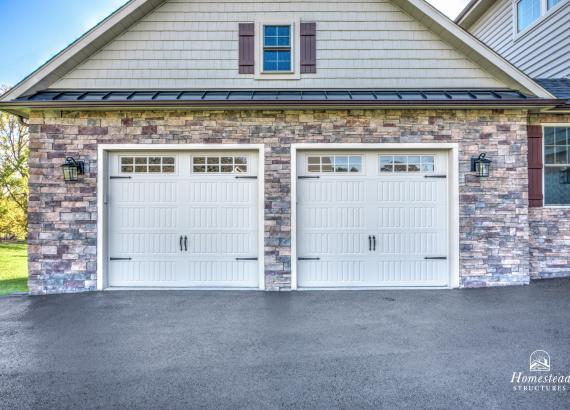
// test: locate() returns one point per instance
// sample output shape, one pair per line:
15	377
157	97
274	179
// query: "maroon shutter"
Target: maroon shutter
246	47
308	48
535	194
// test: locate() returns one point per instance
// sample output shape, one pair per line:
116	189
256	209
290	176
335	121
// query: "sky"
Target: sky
33	31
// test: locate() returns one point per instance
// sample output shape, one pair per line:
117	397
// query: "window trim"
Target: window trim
545	14
295	73
544	126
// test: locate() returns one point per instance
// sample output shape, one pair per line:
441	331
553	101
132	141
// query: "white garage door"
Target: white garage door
183	219
372	219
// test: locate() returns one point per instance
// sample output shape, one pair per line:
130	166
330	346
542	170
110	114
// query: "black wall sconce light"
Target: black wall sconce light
72	169
481	166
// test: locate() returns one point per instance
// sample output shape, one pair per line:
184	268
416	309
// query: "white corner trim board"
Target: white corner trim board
180	216
359	221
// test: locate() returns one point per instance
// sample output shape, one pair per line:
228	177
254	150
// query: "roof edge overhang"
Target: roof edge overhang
132	11
23	108
472	12
84	46
472	48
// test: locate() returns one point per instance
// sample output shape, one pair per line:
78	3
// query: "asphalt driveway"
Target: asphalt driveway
337	349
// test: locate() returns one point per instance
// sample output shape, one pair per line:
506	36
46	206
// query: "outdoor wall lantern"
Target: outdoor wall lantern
481	166
72	169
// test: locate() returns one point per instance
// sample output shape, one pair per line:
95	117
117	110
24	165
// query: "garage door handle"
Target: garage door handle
435	257
186	243
181	244
369	243
374	239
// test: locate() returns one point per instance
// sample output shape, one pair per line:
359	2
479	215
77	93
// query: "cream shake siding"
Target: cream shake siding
541	52
194	44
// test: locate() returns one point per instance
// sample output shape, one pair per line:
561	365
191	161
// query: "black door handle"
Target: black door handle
181	248
374	239
369	242
186	243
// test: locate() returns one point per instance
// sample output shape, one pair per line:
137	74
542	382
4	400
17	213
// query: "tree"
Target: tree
14	152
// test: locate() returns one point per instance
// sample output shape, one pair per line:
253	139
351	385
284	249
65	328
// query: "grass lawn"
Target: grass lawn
13	268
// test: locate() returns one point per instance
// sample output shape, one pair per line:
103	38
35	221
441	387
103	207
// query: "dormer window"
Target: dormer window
277	49
530	11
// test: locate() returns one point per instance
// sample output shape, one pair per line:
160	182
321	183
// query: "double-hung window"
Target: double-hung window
557	166
529	11
277	55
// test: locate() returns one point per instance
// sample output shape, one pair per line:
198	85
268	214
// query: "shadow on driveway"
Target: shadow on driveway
327	349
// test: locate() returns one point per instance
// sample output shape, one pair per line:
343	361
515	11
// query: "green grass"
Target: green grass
13	268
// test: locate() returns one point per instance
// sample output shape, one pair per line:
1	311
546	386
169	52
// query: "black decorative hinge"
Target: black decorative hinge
435	176
309	259
247	259
120	177
435	257
309	177
121	259
245	177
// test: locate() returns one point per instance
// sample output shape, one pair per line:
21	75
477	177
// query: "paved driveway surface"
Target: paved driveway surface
337	349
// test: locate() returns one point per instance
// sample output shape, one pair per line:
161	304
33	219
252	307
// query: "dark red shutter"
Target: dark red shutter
535	193
308	48
246	47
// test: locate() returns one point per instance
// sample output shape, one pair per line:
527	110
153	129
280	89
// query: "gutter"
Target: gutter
281	103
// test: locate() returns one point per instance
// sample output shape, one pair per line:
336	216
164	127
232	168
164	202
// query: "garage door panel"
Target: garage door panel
144	192
212	191
143	272
406	190
329	191
334	243
144	243
221	244
409	244
332	217
411	272
145	217
331	273
207	272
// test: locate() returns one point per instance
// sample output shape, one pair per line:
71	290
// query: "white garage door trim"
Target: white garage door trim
453	186
102	189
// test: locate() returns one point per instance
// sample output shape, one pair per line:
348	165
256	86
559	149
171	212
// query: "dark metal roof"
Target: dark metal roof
332	95
560	87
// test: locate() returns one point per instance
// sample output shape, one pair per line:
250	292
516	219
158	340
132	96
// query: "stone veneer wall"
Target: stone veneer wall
549	227
494	233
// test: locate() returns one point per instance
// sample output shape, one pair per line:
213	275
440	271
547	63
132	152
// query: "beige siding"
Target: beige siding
194	44
541	52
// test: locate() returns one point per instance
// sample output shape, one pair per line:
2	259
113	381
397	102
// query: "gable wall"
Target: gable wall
542	52
186	44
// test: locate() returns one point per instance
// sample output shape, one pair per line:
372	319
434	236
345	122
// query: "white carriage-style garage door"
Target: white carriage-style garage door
183	219
373	219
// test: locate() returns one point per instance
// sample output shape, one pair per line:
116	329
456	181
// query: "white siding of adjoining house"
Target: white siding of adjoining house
187	44
542	52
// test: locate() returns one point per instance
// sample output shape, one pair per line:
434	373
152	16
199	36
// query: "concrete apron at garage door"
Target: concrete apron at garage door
370	216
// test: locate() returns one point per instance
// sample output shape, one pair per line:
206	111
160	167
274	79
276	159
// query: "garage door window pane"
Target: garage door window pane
355	164
427	164
386	163
217	165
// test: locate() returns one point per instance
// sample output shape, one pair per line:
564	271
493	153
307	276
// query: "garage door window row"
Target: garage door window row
335	163
148	165
406	163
